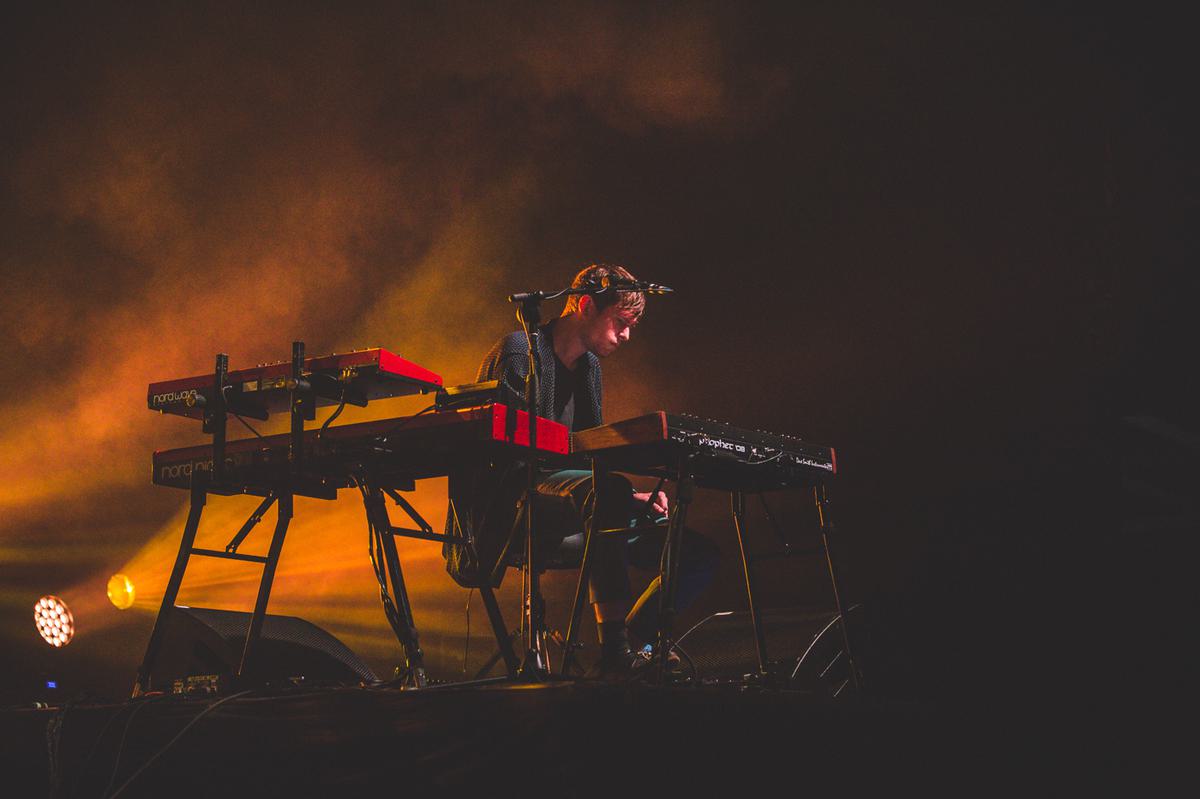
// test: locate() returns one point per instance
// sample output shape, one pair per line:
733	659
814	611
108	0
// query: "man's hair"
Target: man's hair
596	276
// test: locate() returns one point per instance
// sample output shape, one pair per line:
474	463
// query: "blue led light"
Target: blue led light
51	683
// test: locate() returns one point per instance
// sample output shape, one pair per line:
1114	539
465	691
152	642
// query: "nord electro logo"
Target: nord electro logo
177	470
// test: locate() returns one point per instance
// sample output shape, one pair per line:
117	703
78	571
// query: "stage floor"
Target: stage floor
552	740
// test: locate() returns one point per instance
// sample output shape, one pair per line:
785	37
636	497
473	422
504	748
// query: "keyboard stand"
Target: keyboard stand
212	481
668	576
202	484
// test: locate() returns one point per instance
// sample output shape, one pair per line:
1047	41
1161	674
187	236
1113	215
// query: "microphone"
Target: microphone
644	286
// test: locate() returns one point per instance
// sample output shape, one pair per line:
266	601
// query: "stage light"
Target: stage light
120	591
54	621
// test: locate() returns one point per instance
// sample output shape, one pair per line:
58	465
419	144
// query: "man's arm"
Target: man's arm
660	502
507	363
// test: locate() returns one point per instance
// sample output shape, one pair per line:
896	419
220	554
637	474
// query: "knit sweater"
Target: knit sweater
508	362
484	495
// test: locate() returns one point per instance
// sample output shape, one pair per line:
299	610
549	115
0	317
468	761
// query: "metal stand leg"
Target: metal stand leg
284	511
536	665
827	532
503	638
568	659
668	577
251	523
199	496
760	641
215	418
400	614
414	658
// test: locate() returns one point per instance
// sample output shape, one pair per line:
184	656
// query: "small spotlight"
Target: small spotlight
120	591
54	621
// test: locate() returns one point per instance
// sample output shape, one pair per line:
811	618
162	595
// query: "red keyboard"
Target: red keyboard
355	377
396	450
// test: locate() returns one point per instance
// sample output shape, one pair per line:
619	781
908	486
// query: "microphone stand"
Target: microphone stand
536	665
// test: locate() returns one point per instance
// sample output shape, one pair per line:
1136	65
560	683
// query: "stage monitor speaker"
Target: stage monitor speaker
804	647
201	641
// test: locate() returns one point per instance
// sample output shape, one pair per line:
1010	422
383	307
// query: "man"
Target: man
592	326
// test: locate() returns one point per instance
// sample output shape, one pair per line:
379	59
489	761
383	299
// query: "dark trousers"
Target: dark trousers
565	504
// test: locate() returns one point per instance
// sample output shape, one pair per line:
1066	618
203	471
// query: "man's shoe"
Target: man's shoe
616	667
631	666
650	661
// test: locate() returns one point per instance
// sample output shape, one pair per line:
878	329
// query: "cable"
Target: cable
100	737
457	526
372	544
336	413
121	749
662	556
692	628
533	372
467	646
677	649
171	742
593	288
408	419
121	745
787	545
53	739
375	552
375	549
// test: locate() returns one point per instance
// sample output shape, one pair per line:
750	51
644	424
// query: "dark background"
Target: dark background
955	245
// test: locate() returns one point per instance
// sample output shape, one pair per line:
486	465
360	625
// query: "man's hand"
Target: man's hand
660	501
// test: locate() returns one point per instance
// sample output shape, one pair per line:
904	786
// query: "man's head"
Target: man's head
605	319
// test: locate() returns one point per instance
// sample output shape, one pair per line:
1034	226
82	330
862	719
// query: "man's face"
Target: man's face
606	330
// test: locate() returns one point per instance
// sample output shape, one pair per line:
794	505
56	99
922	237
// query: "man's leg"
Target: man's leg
608	578
698	561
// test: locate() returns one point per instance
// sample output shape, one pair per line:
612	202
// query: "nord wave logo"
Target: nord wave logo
172	397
